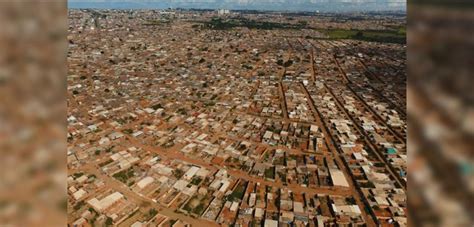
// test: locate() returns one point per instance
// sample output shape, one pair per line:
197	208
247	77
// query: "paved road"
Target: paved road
283	100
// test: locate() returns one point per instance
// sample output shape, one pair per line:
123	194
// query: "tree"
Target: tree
280	62
288	63
109	221
157	106
303	23
152	212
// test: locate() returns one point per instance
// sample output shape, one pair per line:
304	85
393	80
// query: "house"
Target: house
103	204
270	223
145	182
338	178
115	135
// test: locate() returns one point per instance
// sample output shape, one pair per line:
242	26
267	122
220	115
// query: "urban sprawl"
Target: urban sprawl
226	118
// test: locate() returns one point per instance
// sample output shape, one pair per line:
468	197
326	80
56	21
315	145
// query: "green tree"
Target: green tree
109	221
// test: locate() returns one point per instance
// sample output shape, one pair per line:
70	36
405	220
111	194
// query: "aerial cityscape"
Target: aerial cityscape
194	117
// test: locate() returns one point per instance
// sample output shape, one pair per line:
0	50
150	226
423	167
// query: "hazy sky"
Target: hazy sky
299	5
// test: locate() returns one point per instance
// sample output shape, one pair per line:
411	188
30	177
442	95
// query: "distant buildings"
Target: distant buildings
223	11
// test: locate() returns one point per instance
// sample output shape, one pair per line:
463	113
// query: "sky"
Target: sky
279	5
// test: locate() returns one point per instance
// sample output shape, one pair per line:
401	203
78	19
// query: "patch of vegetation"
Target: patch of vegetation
77	175
105	163
109	149
254	223
199	209
350	200
402	30
92	220
285	64
306	179
266	156
92	210
178	173
383	36
238	193
121	121
124	175
157	106
191	206
283	177
78	205
187	207
207	104
182	111
173	221
196	180
245	66
367	184
270	173
379	164
279	161
109	221
127	131
221	24
157	22
151	213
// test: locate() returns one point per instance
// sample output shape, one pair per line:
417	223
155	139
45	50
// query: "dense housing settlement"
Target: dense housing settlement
208	118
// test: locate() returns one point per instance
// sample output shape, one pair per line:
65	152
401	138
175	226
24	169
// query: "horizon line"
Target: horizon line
166	6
